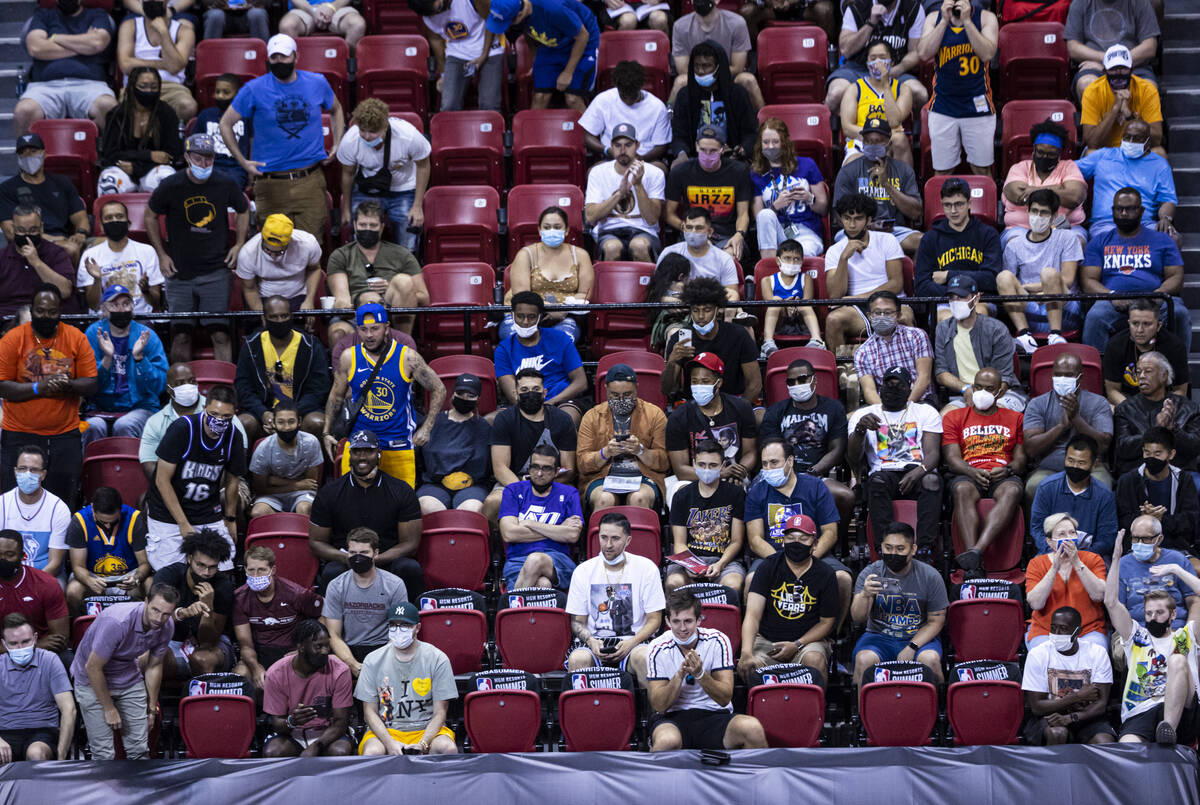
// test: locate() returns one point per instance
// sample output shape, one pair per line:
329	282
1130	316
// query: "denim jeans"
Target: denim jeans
130	424
1097	327
396	205
455	81
771	234
255	22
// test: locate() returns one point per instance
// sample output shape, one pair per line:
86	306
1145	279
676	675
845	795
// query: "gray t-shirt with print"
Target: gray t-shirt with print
272	459
363	611
404	693
903	606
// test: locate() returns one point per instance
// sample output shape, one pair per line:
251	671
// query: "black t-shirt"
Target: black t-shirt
718	191
1120	359
342	505
732	344
457	447
199	463
56	197
794	605
808	432
709	521
521	434
176	576
688	425
197	220
895	34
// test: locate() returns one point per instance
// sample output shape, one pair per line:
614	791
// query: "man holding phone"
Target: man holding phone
308	695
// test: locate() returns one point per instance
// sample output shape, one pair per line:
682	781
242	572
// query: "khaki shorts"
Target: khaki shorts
335	25
763	647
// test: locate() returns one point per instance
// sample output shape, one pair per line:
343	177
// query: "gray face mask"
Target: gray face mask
30	164
874	151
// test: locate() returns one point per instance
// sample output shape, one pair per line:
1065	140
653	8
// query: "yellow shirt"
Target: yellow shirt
1098	98
965	354
281	368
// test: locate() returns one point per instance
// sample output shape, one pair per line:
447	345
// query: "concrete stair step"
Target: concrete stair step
1180	25
12	49
1179	58
1187	216
1179	93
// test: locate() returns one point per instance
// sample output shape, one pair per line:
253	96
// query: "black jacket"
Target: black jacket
741	126
1135	416
119	142
310	386
1178	525
975	251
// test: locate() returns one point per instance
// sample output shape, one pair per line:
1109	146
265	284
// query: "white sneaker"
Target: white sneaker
1055	338
768	347
1027	343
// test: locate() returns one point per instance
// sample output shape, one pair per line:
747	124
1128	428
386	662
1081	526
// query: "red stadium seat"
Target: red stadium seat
524	73
113	446
71	152
533	639
651	49
468	148
621	282
597	719
460	633
502	720
135	205
910	275
245	58
451	285
791	715
1041	367
286	534
725	618
983	197
454	549
217	725
647	537
898	713
903	511
986	628
210	373
1018	117
648	366
326	55
113	461
985	712
449	367
1032	60
527	202
808	126
394	68
384	17
548	147
462	225
1005	551
824	366
792	63
79	628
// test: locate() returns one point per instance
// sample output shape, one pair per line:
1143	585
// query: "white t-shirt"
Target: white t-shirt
868	268
897	443
285	276
126	267
1047	671
716	263
616	602
408	147
649	118
604	180
664	659
462	28
42	526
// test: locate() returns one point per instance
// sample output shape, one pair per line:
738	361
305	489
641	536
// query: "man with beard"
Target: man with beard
358	601
624	200
539	520
859	265
308	695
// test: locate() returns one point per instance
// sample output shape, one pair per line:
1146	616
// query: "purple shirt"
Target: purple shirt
29	691
18	280
560	503
119	636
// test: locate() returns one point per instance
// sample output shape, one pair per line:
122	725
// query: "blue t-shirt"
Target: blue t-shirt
519	500
771	184
1111	170
554	24
1135	263
554	355
1136	581
286	119
810	496
90	68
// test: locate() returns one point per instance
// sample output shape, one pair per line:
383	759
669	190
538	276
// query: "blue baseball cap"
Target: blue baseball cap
113	291
371	313
502	14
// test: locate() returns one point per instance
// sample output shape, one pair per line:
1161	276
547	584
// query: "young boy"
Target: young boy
209	122
789	283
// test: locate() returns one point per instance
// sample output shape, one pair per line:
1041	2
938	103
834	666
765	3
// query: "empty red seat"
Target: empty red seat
502	720
71	152
547	147
455	285
449	367
326	55
245	58
395	69
383	17
121	472
808	127
210	373
986	628
217	725
454	549
468	148
113	446
527	202
792	63
524	73
79	628
597	719
460	633
649	48
1018	117
533	639
1033	61
1041	367
985	712
646	538
824	367
624	282
898	713
648	366
983	197
791	714
462	225
725	618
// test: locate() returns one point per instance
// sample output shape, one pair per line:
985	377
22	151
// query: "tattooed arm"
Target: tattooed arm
416	368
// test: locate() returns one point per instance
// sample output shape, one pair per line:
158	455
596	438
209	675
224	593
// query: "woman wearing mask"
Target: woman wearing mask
789	283
559	272
1045	169
457	459
1065	577
877	95
790	194
141	144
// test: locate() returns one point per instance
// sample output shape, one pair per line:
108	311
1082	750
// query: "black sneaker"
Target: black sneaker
969	560
1165	734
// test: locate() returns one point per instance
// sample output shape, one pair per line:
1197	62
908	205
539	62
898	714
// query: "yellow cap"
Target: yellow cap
277	230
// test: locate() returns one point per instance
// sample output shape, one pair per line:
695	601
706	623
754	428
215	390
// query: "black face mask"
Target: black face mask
120	318
287	436
68	7
1126	226
153	9
316	660
703	7
1158	628
146	97
1155	465
894	398
360	563
796	551
8	568
222	103
1077	474
22	241
463	405
1044	164
367	238
116	230
282	70
531	401
279	330
895	562
44	326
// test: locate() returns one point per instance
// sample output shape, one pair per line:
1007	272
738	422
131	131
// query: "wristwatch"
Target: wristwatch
913	645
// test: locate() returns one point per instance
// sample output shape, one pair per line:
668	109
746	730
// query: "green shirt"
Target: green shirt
404	693
391	260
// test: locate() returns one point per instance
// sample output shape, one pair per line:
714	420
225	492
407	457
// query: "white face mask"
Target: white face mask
802	392
186	395
1133	150
982	400
1061	642
707	476
960	309
1064	385
401	636
525	332
789	269
1039	223
610	562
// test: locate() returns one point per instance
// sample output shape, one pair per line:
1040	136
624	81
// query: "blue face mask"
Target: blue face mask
28	482
372	143
695	637
1142	551
200	173
703	393
775	477
706	80
21	656
704	329
553	237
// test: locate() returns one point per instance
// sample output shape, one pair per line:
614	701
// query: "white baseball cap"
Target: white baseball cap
282	44
1117	56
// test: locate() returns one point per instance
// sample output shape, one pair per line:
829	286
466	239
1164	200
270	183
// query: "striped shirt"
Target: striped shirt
665	658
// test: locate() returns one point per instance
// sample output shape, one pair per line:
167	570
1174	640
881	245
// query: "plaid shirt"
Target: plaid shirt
907	344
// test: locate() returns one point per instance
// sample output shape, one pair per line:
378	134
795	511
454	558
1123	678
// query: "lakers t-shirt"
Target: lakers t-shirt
718	191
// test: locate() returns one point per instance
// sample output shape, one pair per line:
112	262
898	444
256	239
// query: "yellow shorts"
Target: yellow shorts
405	737
400	464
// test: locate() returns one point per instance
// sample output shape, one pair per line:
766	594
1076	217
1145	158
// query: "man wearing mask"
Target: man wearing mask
707	261
457	459
280	261
711	98
970	341
1053	419
1156	406
857	266
132	368
367	497
286	466
1160	489
1151	566
265	610
38	710
547	349
724	185
708	334
622	446
281	364
1066	683
891	182
984	452
195	485
707	521
719	26
184	398
308	695
120	260
357	600
46	368
39	516
107	540
1046	169
284	111
64	219
1094	26
1131	165
1145	334
624	200
198	265
1114	99
1042	261
893	344
200	644
33	594
901	442
406	688
539	520
1131	258
30	260
957	245
1082	489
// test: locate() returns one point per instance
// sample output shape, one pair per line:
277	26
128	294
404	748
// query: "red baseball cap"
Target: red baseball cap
800	522
710	361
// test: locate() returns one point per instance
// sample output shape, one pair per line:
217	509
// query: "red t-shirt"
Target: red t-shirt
986	441
272	623
36	595
284	689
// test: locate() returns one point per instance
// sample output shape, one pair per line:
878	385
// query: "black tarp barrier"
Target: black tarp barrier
883	776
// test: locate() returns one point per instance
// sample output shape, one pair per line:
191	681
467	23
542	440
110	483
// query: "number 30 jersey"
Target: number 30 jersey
199	463
961	87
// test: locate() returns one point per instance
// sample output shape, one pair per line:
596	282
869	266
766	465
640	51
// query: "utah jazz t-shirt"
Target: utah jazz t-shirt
718	191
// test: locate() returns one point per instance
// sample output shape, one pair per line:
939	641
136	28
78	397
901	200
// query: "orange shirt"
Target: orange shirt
1098	98
1066	594
25	358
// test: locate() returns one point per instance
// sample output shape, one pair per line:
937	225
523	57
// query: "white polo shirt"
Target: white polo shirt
665	658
